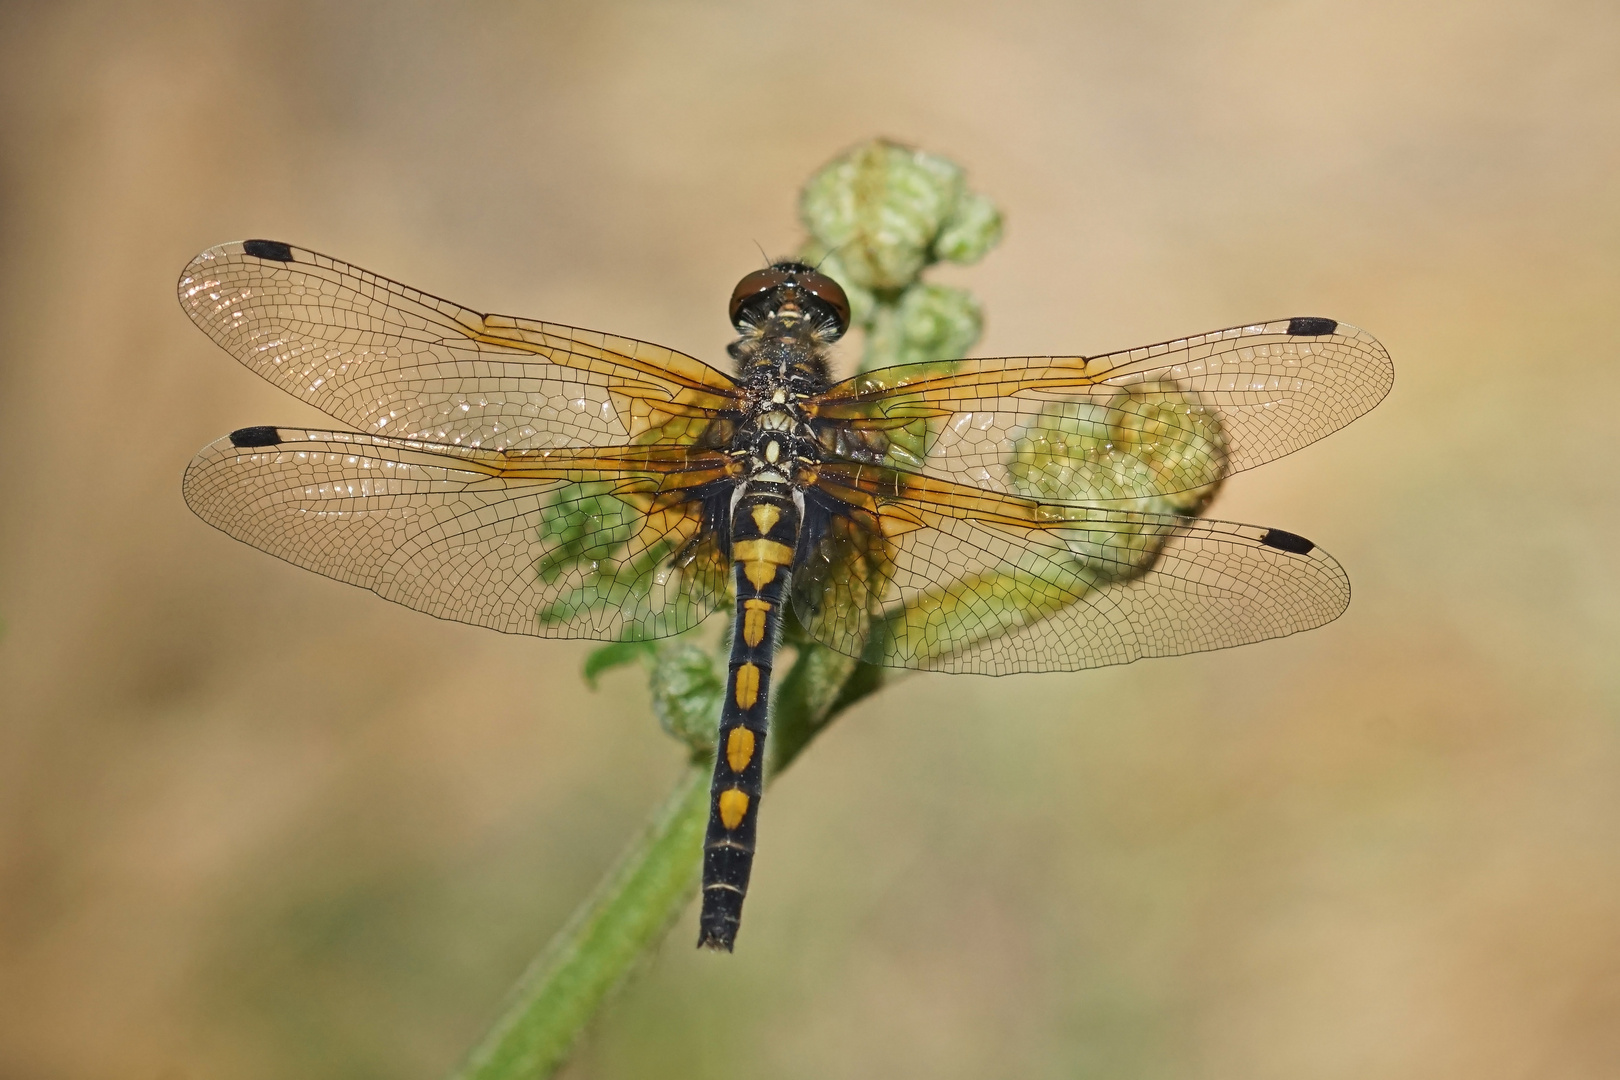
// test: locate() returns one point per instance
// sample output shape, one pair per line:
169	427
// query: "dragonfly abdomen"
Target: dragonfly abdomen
764	535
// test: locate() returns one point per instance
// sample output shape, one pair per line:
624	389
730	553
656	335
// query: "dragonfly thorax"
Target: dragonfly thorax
774	439
788	316
782	358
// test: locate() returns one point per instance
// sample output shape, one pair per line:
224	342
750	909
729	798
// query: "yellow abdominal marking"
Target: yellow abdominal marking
760	558
754	612
733	807
747	686
739	749
765	517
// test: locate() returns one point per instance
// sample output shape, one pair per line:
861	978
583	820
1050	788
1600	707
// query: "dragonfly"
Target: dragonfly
991	515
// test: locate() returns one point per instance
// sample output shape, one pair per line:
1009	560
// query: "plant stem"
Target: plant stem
626	917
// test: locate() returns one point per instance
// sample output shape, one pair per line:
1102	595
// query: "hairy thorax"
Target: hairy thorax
779	364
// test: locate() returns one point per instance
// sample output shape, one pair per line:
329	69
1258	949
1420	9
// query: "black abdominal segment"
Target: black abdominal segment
764	534
787	316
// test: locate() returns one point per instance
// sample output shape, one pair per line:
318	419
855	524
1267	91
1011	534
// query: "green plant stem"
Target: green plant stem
623	920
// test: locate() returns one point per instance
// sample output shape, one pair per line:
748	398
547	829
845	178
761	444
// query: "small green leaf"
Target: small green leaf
584	523
615	654
686	696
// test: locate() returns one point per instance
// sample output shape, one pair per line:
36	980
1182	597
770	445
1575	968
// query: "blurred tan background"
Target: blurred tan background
257	824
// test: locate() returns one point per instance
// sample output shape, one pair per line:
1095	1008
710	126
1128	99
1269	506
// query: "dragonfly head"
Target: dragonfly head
790	293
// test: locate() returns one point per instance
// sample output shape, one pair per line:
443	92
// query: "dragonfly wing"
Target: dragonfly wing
606	544
1143	423
839	593
969	582
386	359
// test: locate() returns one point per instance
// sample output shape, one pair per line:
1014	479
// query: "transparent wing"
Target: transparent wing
961	581
1137	424
595	543
386	359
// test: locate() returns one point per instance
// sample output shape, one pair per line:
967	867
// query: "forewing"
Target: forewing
996	586
386	359
589	544
1140	424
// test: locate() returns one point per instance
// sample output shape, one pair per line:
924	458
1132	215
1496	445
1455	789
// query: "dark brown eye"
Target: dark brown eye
753	287
829	292
799	277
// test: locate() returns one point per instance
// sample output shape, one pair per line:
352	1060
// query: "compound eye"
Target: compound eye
829	292
753	287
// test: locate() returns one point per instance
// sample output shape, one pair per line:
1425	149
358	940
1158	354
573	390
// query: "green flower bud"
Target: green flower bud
888	211
972	230
930	323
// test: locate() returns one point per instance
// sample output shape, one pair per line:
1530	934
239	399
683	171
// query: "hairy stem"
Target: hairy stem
627	916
